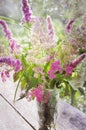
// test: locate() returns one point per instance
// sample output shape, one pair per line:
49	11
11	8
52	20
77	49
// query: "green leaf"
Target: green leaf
81	90
59	77
23	83
28	73
21	97
67	90
52	84
23	59
33	83
46	67
10	20
16	76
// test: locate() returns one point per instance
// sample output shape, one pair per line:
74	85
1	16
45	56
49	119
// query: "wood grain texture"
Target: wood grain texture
9	119
69	118
27	109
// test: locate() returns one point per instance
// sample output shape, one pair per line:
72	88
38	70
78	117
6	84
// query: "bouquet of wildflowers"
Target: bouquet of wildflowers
44	68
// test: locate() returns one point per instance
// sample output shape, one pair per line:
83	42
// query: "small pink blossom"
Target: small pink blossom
51	75
51	57
69	69
55	67
38	70
38	93
35	93
3	76
7	74
46	97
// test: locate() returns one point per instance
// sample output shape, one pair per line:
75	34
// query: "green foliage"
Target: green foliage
9	20
17	75
33	83
24	62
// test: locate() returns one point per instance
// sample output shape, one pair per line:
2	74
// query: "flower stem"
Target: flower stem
72	95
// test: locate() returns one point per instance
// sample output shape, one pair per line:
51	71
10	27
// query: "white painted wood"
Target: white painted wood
27	109
69	118
9	119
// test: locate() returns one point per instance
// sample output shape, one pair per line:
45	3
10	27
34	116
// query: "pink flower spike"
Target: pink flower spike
69	69
51	31
77	61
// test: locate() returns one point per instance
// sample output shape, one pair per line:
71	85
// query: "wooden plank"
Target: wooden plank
27	109
9	119
69	117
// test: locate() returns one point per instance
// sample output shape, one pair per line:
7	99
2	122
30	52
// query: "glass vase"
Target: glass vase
47	113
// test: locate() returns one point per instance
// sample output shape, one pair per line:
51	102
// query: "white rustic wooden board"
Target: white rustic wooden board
9	119
27	109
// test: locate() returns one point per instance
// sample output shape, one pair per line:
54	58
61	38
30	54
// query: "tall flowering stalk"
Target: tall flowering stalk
27	13
13	44
42	41
51	31
70	67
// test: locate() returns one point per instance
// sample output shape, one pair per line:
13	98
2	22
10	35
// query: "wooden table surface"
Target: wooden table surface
19	116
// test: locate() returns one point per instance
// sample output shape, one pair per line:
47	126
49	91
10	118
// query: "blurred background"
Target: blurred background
57	9
61	11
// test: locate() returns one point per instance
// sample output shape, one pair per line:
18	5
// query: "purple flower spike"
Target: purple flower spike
26	10
68	27
7	32
12	42
70	67
77	61
51	31
11	62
